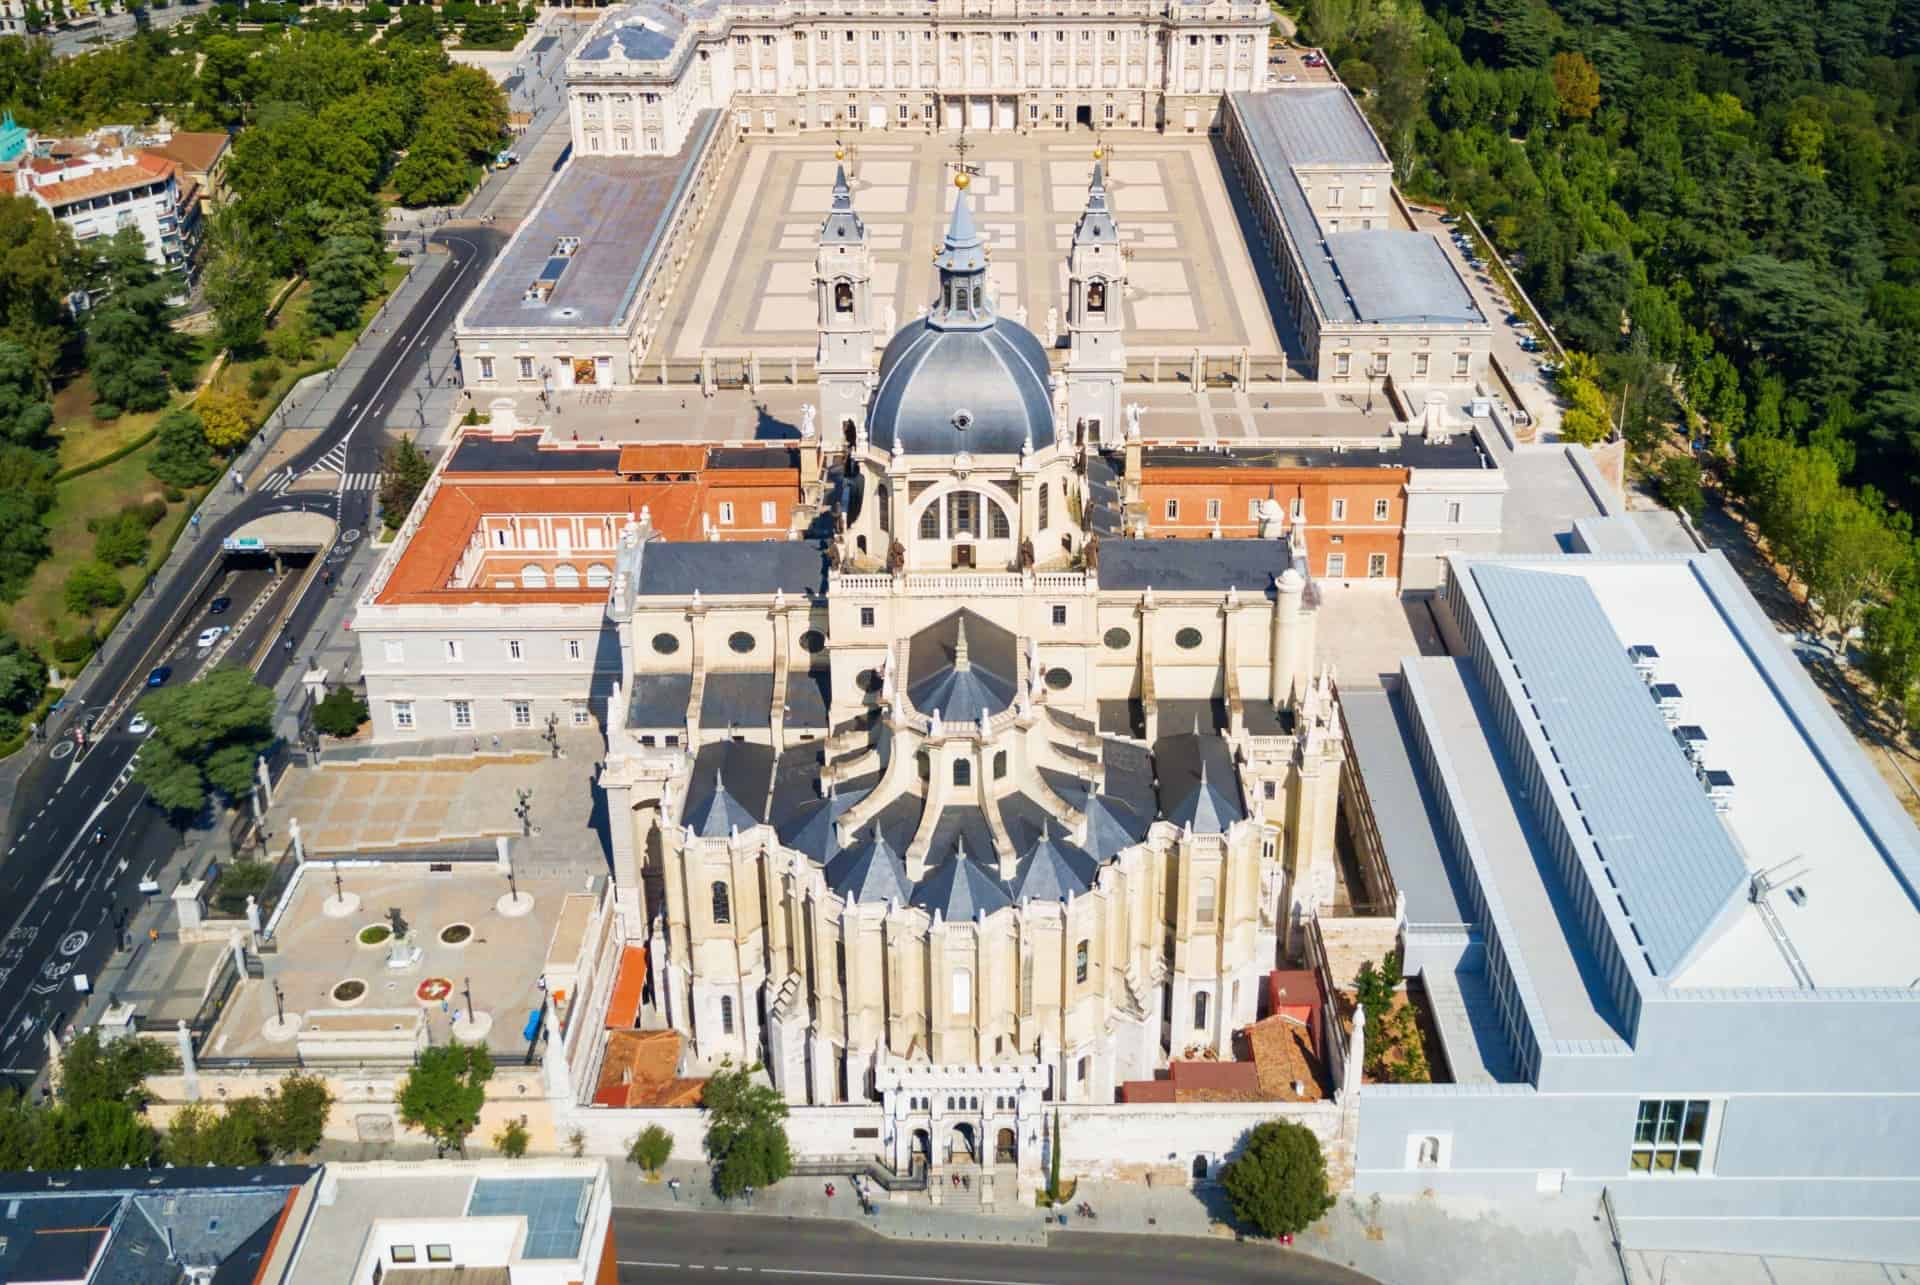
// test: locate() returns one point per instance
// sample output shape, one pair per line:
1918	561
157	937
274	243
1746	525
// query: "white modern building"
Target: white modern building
1666	913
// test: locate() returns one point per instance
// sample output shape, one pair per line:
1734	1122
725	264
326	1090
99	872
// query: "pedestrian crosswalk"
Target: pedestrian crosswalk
281	482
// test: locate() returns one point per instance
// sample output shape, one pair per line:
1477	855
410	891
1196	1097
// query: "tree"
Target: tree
91	586
343	276
180	456
23	676
1278	1182
340	713
206	735
435	171
25	414
289	341
132	347
1576	86
97	1070
297	1112
443	1094
226	418
510	1139
746	1141
404	475
1680	485
651	1149
23	541
120	539
235	284
37	258
199	1134
1375	989
1053	1162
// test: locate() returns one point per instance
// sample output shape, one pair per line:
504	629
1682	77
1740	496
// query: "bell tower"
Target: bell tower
1096	351
843	282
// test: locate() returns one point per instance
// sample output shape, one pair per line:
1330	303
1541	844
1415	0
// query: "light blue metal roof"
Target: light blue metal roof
1676	867
1400	278
555	1209
1318	126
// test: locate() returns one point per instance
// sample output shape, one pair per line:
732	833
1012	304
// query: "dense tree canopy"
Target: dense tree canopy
206	735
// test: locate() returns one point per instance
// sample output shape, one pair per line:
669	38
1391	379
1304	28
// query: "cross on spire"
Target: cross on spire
963	173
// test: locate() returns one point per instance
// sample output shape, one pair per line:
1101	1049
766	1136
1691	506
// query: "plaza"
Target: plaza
1194	290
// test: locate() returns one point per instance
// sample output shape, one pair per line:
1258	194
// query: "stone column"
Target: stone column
183	1040
1286	630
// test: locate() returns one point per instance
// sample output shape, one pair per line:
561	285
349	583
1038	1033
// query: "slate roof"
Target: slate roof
1052	870
997	375
659	700
807	698
940	681
1317	126
1096	221
728	789
1174	565
1112	827
843	222
1198	786
872	870
960	887
674	569
735	698
1401	278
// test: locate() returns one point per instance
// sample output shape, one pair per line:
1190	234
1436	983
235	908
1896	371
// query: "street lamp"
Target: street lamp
466	989
279	1003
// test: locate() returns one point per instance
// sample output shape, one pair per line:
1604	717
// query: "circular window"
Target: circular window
741	641
1187	639
1059	679
666	644
868	680
1119	639
813	641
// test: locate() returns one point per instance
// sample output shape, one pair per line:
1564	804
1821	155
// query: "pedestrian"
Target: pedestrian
829	1191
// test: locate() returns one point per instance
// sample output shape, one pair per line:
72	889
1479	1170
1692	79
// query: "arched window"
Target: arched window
963	771
598	576
1097	297
976	298
962	992
886	510
726	1014
1429	1153
1045	491
1200	1168
1203	903
722	907
1199	1010
566	576
533	576
930	522
1080	962
999	764
997	527
963	514
842	297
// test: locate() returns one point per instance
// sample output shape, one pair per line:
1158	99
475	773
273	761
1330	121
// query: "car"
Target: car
1529	344
210	635
140	725
219	606
1515	319
1288	79
160	675
1449	218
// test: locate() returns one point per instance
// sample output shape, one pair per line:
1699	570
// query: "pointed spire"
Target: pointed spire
961	663
842	194
1097	190
961	233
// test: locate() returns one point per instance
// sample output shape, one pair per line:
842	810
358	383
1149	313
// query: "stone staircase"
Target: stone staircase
964	1199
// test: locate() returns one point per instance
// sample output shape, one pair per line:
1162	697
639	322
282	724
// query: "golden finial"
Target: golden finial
961	179
839	153
1099	152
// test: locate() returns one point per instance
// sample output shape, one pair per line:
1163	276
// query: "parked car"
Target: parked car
218	607
209	636
160	675
1288	78
140	725
1529	344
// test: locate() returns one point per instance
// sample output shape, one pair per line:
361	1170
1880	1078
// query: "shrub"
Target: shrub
1680	485
341	713
511	1140
72	649
651	1149
172	494
121	539
93	585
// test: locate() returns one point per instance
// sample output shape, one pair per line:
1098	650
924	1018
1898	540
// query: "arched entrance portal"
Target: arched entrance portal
919	1151
961	1146
1006	1148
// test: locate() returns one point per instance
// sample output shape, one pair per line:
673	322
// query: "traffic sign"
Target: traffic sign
243	544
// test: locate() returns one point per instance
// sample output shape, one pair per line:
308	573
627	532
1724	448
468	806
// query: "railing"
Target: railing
939	584
873	1167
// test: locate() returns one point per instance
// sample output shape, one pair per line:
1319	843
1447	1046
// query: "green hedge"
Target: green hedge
111	457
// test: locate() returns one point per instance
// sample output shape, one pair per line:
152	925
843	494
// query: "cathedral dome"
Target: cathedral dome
962	380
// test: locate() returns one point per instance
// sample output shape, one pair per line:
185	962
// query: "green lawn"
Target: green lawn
41	613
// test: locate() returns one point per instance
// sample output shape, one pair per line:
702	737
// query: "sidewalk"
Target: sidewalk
1415	1241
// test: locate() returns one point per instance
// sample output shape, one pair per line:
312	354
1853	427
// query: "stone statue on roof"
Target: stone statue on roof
806	421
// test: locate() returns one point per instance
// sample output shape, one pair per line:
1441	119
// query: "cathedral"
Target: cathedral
966	784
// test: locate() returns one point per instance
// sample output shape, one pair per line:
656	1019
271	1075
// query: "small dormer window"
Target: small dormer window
963	419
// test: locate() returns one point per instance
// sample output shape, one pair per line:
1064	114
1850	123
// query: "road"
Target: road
115	28
655	1246
62	895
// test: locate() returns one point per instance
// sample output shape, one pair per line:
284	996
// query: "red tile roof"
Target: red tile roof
623	1010
105	182
195	151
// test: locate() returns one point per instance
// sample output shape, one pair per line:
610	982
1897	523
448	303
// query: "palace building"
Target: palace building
640	82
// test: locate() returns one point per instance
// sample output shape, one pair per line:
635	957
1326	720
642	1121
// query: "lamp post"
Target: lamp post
279	1003
466	989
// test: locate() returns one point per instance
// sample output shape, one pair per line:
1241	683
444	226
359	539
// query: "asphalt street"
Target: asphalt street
656	1246
62	894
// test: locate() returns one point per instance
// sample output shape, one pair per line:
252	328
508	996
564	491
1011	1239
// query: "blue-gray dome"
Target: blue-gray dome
931	379
961	378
